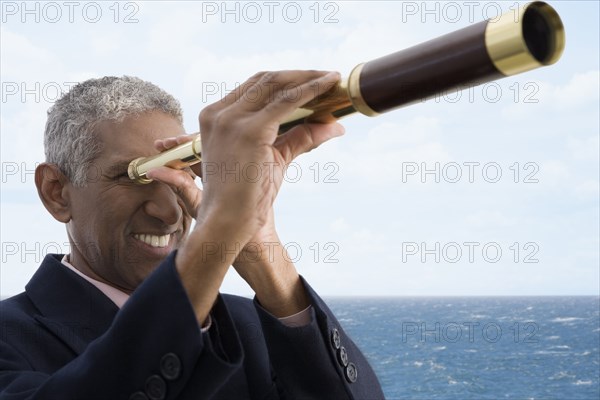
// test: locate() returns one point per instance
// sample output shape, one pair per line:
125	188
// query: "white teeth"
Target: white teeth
153	240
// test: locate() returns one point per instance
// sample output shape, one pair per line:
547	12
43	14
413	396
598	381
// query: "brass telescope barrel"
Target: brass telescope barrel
483	52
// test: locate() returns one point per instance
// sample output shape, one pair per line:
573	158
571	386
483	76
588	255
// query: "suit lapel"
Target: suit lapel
71	308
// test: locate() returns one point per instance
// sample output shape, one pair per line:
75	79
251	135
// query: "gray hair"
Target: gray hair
69	139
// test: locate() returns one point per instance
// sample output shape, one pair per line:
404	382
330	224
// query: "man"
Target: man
134	311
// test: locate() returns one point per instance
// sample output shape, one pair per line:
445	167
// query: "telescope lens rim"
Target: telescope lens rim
543	33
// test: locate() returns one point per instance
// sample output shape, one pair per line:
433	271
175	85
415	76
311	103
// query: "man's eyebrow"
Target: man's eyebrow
118	168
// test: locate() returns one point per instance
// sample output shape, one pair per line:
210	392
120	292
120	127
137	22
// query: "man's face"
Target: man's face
121	230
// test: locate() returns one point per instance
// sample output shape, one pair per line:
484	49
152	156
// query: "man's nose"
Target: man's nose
162	203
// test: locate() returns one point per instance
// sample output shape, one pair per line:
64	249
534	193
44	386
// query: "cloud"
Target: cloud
582	89
555	173
388	147
588	189
339	225
186	45
23	133
579	92
493	218
587	148
22	58
106	45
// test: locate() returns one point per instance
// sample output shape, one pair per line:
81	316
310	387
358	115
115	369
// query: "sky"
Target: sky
489	191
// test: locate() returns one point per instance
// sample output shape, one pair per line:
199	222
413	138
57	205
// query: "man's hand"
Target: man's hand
243	158
243	165
268	269
181	181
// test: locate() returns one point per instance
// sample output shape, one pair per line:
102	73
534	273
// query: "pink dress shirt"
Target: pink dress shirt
119	298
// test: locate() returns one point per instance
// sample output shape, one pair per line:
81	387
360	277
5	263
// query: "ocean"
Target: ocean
479	347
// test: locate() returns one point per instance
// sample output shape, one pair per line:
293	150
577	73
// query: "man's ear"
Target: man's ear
52	188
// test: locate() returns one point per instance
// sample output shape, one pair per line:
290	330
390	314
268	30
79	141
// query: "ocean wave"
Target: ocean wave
564	347
580	382
436	366
479	316
562	375
565	319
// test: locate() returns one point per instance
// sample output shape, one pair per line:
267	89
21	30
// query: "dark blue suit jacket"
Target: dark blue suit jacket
63	339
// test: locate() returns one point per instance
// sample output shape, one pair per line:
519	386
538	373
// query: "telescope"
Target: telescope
489	50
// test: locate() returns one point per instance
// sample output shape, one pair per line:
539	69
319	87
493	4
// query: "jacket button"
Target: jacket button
342	356
351	373
335	338
156	388
170	366
138	396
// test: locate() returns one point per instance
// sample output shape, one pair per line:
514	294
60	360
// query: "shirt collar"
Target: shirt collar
115	295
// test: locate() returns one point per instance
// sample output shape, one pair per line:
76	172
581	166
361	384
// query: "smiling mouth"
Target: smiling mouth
153	240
